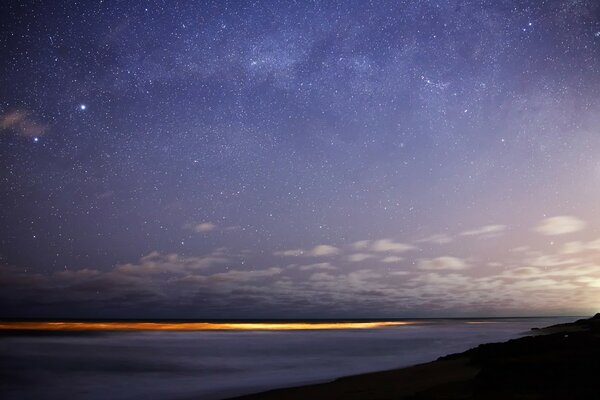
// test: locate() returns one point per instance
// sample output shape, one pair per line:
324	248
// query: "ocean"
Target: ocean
209	365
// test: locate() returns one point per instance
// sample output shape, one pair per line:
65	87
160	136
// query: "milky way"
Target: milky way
299	159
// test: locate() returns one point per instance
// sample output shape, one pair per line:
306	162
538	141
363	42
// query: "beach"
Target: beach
167	361
556	362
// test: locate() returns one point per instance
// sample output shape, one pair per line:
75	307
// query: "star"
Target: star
323	125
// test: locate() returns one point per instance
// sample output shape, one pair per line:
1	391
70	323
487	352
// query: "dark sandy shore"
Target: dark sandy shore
558	362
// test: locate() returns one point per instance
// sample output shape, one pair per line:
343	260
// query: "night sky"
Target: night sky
295	159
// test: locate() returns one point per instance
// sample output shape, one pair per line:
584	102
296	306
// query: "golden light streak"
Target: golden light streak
482	322
194	326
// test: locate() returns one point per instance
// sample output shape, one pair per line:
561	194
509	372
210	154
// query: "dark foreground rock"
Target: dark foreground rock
562	362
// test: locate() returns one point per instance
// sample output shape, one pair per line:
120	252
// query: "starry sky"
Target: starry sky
299	159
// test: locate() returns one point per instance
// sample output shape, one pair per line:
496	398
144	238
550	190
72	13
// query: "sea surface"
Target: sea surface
219	364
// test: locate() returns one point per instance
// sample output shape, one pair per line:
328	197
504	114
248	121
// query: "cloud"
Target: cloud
551	261
358	257
319	266
205	227
290	253
383	246
321	250
440	238
20	122
523	272
580	247
392	259
156	263
219	280
560	225
388	245
232	276
571	271
543	284
594	283
361	244
443	263
487	231
519	249
573	248
321	277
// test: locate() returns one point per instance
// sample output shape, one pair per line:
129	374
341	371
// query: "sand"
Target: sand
558	362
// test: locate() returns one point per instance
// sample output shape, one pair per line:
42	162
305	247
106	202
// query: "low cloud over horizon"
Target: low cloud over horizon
426	280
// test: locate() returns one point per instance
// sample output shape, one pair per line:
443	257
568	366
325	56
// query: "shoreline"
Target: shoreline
551	362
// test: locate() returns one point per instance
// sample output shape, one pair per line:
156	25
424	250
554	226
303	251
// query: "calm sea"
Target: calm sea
220	364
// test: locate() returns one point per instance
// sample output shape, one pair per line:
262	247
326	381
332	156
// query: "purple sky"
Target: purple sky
312	159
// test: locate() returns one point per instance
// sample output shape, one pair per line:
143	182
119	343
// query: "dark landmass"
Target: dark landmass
557	362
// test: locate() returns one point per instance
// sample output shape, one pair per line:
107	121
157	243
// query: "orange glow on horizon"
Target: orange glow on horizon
193	326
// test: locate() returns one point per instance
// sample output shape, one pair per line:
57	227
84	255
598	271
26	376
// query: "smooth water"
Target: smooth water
219	364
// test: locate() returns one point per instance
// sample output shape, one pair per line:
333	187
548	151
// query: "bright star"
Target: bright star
82	107
36	139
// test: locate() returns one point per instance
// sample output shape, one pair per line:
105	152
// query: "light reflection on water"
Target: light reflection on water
165	364
195	326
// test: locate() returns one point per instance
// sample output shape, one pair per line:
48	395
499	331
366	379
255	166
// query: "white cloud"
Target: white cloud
242	276
522	278
157	263
580	247
573	248
593	245
440	238
361	244
595	283
573	270
443	263
388	245
232	276
362	275
392	259
519	249
205	227
321	250
560	225
543	284
383	246
290	253
321	277
358	257
487	230
552	261
318	266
